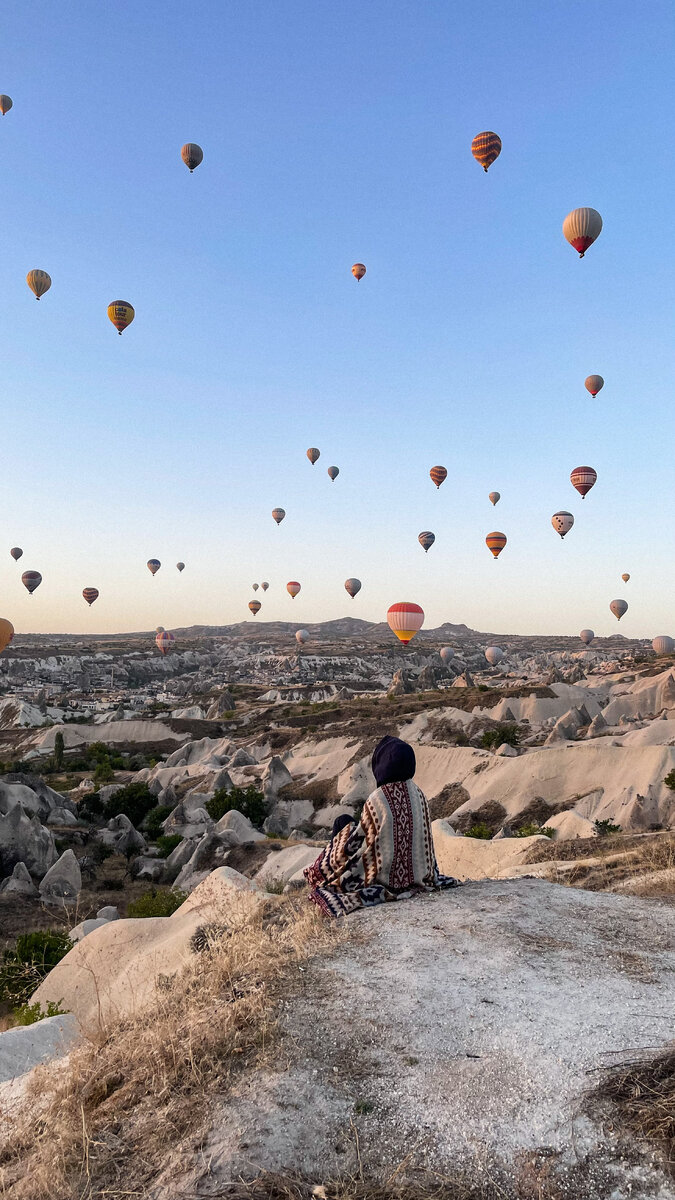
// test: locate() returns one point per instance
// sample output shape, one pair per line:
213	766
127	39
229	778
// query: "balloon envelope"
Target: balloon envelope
90	594
581	227
278	514
494	497
562	522
313	454
663	645
254	606
405	620
39	282
583	479
426	540
31	580
438	474
625	577
153	565
353	586
593	384
333	472
6	633
618	607
255	586
447	653
494	655
486	147
587	636
192	155
264	586
164	641
358	271
301	637
6	103
496	543
121	314
293	588
16	553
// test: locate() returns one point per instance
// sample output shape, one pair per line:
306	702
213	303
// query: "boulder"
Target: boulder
239	826
45	797
569	825
224	703
85	927
152	869
276	777
121	835
401	683
596	726
61	816
281	865
505	832
473	858
108	912
277	823
19	882
221	781
106	793
28	1046
210	853
24	839
506	751
63	882
242	759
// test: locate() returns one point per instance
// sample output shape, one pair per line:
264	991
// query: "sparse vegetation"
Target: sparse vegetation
531	829
275	886
30	1014
670	780
248	801
168	842
642	1095
58	751
603	828
23	968
156	903
501	735
135	801
155	819
479	830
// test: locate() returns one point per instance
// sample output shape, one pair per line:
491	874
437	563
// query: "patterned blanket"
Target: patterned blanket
388	855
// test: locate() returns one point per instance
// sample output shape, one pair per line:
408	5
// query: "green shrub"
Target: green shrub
605	827
547	831
479	830
248	801
156	904
135	801
502	735
155	819
529	829
275	886
23	968
670	780
104	772
167	843
90	806
30	1014
100	852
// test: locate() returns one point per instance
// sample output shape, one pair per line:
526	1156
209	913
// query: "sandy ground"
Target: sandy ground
461	1031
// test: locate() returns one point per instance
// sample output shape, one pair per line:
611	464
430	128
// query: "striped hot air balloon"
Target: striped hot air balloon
121	314
192	155
438	474
405	620
31	580
16	553
495	542
426	540
153	565
6	103
39	282
6	633
583	479
353	586
486	147
313	454
164	641
587	636
494	655
301	636
593	384
278	514
90	594
180	566
618	607
333	472
663	644
254	606
358	271
293	588
494	497
581	228
562	522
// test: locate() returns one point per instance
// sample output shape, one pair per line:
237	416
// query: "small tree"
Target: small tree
670	780
503	735
58	751
248	801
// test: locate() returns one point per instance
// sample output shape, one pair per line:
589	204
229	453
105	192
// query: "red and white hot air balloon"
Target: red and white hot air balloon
405	620
583	479
581	228
293	588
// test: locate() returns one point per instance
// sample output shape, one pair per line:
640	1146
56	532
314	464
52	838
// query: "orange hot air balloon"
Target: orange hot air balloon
39	282
90	594
358	271
192	155
438	474
593	384
254	606
486	147
293	588
405	620
121	314
496	543
625	577
6	633
313	454
278	514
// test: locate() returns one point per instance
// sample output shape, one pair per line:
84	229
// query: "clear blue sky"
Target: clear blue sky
334	133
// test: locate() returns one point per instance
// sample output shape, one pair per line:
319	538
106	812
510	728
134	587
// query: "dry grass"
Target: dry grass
643	865
122	1101
642	1095
426	1186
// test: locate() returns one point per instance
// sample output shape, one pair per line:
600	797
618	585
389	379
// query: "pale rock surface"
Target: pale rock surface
276	777
210	853
85	927
474	858
281	865
151	869
27	1046
63	882
569	825
120	834
24	839
237	824
506	751
108	912
61	816
19	882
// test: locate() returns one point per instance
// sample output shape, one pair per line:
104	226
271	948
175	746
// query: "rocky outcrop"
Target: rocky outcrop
121	836
19	882
23	839
63	882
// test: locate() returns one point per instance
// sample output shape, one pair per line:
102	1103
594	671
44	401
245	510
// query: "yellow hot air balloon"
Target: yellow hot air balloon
254	606
486	147
6	633
405	619
121	314
39	282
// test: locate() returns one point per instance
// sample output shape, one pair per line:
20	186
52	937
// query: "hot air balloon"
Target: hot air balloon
426	540
313	454
6	633
254	606
562	522
192	155
447	653
353	586
660	645
153	565
264	586
39	282
255	586
16	553
6	103
90	594
593	384
438	474
164	641
121	314
301	637
583	479
581	227
31	580
159	629
405	620
333	472
496	543
278	514
618	607
587	636
494	655
625	577
358	271
180	566
494	497
293	588
486	147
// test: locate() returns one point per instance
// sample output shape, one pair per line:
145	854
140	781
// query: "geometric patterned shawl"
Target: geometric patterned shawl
388	855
